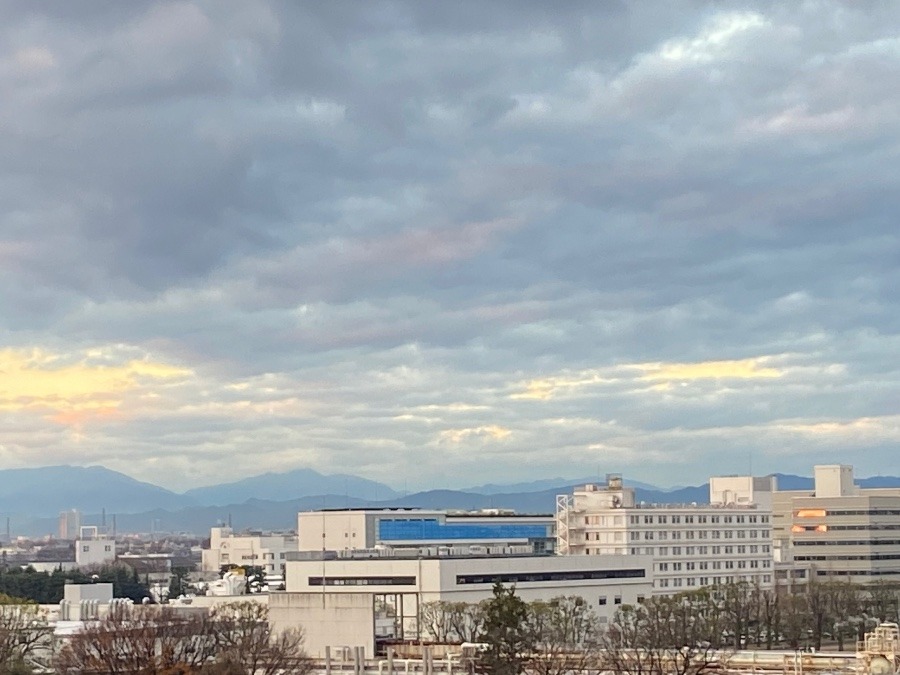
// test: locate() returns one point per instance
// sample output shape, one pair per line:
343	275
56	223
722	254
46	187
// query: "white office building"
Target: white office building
94	548
351	529
258	549
692	545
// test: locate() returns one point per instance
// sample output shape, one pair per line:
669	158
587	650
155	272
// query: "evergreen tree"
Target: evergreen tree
506	633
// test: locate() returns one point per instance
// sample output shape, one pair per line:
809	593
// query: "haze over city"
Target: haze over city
445	244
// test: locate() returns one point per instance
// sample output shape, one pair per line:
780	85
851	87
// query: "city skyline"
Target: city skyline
449	245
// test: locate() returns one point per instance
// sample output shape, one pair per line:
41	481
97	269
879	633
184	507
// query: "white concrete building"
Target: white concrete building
266	550
350	529
838	530
692	545
382	594
94	548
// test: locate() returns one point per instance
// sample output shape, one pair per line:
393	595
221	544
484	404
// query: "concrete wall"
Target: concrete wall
342	530
327	619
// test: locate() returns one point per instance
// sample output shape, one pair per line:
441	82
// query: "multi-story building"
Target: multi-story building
258	549
69	524
351	529
692	545
93	547
838	530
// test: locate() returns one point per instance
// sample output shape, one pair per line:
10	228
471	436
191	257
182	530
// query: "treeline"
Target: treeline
46	588
230	639
690	627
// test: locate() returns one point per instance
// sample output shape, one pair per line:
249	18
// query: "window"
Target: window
537	577
662	520
602	600
663	567
85	549
648	520
363	581
689	519
676	520
617	600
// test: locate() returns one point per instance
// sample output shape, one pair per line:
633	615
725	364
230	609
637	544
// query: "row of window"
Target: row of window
535	577
663	535
850	542
703	550
874	556
857	573
709	581
362	581
691	519
715	564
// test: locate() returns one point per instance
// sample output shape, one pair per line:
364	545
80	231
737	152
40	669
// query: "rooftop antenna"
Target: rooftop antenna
229	521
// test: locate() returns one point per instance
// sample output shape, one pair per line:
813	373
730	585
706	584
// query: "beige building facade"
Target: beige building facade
838	530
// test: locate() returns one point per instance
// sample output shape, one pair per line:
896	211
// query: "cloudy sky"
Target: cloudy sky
445	243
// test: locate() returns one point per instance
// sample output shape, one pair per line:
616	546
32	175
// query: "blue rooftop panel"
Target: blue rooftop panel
429	529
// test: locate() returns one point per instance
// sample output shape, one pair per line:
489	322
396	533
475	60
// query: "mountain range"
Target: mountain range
33	498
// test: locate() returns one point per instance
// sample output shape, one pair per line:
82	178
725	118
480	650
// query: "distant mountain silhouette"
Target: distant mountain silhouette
548	483
32	498
47	490
290	485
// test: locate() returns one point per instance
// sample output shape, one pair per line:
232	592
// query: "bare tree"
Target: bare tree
882	601
437	618
770	616
244	639
233	639
140	640
23	628
678	635
794	619
566	634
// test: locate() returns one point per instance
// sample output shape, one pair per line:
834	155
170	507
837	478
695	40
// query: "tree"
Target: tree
23	628
566	632
506	633
678	635
245	640
157	640
436	618
178	583
141	639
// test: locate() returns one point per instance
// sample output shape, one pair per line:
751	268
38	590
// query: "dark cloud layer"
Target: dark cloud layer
417	240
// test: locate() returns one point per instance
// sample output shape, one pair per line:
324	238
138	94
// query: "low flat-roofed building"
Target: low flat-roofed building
397	585
246	549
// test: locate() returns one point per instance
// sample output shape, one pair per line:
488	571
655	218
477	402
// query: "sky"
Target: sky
443	244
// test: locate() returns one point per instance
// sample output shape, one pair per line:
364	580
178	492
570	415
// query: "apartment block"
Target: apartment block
691	545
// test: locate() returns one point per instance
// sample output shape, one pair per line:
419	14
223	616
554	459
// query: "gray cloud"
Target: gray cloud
364	230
